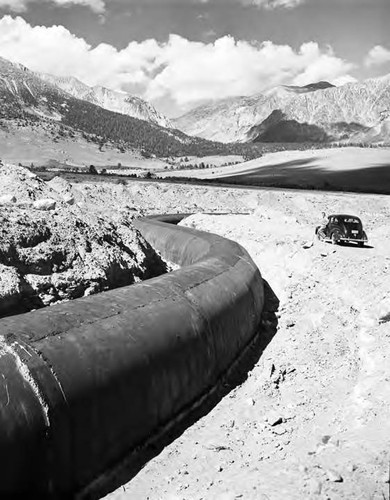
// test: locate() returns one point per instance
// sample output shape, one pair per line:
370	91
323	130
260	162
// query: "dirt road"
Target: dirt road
313	418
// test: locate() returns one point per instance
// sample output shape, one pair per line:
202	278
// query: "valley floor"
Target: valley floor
313	418
346	168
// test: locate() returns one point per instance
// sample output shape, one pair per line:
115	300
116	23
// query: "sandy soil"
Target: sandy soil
313	418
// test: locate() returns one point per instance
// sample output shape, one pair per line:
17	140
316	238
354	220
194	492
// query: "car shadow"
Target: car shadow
345	244
354	245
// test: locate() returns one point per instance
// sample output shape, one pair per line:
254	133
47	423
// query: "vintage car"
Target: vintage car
342	228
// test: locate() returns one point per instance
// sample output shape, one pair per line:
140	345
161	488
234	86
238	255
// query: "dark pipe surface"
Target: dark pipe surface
85	384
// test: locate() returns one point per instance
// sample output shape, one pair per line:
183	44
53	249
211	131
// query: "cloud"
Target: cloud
323	65
266	4
178	71
97	6
377	56
273	4
194	72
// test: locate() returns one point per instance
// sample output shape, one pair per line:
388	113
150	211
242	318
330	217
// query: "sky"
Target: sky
179	54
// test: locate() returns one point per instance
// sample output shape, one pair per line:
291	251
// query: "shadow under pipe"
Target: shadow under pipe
91	389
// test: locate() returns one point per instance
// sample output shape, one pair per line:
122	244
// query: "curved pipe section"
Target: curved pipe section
84	385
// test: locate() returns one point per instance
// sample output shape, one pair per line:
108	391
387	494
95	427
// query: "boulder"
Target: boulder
45	204
69	199
7	199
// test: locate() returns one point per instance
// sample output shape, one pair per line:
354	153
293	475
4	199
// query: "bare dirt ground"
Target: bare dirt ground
313	418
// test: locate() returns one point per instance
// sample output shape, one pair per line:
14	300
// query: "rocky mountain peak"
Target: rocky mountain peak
311	87
112	100
347	112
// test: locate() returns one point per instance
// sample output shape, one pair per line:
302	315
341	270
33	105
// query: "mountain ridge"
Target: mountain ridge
28	101
366	104
119	102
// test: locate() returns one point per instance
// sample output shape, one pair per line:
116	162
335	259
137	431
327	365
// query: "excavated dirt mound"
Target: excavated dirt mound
53	249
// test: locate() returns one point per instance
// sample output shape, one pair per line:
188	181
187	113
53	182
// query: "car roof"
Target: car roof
344	215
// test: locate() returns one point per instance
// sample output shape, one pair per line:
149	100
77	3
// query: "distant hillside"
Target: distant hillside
278	128
119	102
320	112
26	100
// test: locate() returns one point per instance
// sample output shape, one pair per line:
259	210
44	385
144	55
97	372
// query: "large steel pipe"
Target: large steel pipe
85	384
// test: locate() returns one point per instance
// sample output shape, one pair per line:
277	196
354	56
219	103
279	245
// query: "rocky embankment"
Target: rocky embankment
55	247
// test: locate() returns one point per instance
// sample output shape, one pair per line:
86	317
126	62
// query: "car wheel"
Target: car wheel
320	233
335	237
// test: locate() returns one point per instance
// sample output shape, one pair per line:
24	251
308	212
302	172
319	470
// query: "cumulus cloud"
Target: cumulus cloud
323	65
178	71
273	4
195	71
377	56
97	6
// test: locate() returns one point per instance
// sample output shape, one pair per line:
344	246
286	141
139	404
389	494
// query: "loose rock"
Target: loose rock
45	204
334	476
7	199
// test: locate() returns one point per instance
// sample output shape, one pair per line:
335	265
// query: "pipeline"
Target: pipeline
86	385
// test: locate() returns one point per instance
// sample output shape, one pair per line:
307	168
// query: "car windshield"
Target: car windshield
351	220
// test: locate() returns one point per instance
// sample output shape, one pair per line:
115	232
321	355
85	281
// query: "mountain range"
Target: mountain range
318	112
28	101
119	102
66	113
